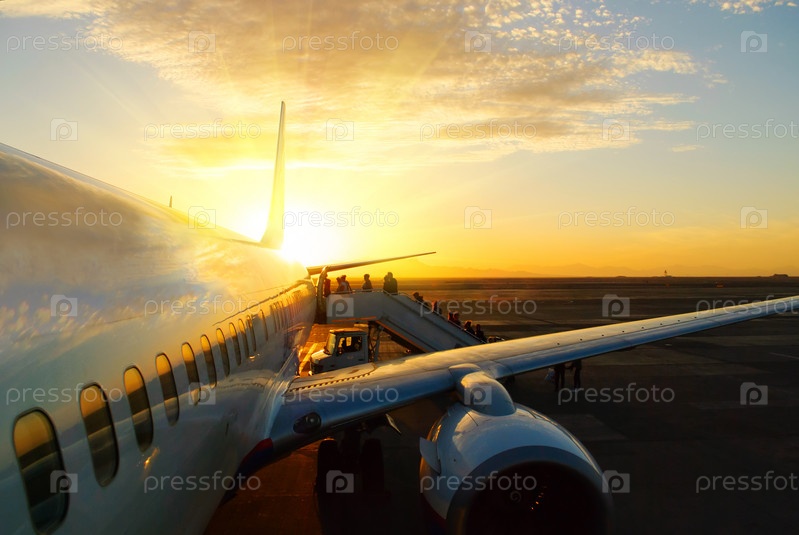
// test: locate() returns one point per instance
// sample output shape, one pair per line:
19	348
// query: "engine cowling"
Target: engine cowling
517	472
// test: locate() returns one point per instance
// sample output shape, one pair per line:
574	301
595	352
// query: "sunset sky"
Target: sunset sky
555	138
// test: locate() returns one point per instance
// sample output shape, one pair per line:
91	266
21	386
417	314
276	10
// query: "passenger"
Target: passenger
390	284
577	366
326	288
450	317
345	286
468	327
478	332
436	308
560	376
367	283
456	319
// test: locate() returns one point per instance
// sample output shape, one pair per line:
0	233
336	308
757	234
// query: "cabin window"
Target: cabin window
234	339
170	391
100	432
251	334
245	348
191	370
139	407
47	485
209	360
220	341
263	320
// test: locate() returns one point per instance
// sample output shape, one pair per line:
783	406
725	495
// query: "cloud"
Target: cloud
364	81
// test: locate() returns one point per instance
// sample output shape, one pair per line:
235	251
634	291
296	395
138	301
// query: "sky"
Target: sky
551	138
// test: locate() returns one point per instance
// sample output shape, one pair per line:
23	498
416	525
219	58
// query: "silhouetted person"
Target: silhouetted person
390	284
326	288
478	332
456	319
577	366
367	283
343	286
450	317
468	327
560	376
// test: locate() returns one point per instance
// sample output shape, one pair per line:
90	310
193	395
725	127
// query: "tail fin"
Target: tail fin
273	236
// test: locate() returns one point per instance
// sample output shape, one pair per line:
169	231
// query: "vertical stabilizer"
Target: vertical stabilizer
273	236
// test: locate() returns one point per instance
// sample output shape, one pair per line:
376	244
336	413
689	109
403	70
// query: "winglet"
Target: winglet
273	236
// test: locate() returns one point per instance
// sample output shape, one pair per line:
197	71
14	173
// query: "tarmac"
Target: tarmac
703	428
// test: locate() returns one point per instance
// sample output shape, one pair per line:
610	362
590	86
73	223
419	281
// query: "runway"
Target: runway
670	416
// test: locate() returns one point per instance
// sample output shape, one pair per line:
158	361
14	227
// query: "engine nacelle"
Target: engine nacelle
518	472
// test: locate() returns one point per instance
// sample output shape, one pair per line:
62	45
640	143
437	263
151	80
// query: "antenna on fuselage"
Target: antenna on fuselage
273	236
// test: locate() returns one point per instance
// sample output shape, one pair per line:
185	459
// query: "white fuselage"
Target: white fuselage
95	281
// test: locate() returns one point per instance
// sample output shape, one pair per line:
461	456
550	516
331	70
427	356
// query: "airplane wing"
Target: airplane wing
315	406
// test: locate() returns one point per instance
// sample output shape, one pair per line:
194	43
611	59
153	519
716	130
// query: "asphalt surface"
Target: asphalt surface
670	419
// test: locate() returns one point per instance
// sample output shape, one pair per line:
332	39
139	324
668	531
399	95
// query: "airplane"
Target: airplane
147	366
